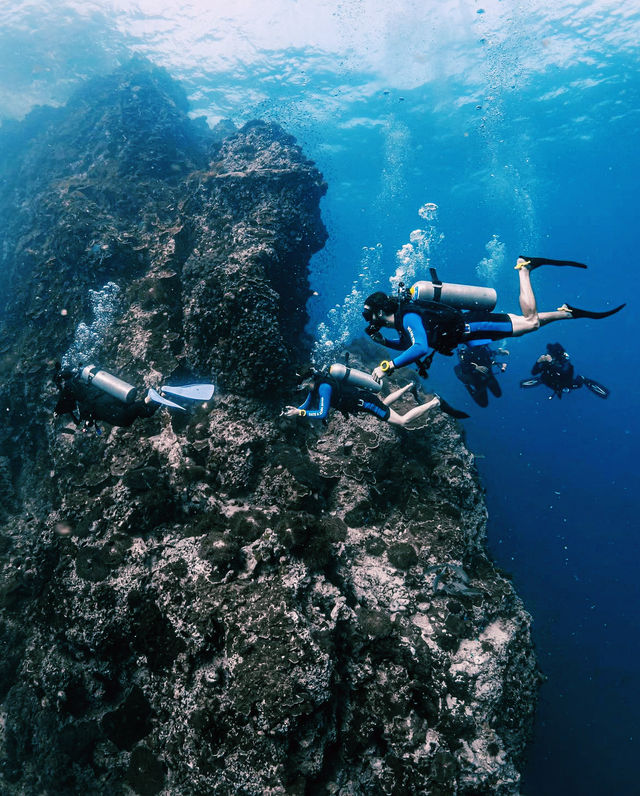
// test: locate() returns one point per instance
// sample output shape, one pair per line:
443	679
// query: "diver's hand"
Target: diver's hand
375	334
384	369
545	358
480	369
290	411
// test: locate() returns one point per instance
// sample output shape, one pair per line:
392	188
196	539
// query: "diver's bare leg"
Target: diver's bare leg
402	420
393	396
556	315
531	319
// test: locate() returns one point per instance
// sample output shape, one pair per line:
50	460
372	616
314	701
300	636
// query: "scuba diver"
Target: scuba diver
89	395
555	370
352	392
476	369
454	314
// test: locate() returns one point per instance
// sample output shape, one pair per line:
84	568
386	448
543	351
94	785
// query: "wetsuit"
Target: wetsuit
415	331
476	381
327	394
558	374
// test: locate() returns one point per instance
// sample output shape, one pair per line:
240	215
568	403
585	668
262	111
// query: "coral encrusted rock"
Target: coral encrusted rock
222	601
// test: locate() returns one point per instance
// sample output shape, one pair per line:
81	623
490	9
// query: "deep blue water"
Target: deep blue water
519	122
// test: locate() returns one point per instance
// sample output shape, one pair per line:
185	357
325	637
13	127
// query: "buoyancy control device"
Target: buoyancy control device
356	378
108	383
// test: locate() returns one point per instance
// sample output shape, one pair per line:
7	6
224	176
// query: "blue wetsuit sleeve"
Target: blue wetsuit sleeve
397	345
412	324
324	401
306	403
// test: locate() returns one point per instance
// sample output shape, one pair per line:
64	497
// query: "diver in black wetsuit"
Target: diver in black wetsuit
555	370
476	369
89	395
86	405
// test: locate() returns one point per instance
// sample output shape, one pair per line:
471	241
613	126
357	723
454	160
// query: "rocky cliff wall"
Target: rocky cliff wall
223	602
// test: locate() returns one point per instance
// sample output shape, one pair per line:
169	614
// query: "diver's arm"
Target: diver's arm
412	324
322	410
541	363
324	401
396	345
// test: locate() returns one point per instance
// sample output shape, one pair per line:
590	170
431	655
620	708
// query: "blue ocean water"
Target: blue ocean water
520	122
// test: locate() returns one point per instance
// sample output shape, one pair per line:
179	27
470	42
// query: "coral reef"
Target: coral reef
225	601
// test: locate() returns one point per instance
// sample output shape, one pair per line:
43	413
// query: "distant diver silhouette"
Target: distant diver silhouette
476	369
555	371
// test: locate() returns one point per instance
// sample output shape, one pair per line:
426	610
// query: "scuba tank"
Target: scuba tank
462	297
357	378
108	383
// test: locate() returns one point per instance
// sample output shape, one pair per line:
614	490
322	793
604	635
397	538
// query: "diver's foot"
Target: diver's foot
535	262
575	312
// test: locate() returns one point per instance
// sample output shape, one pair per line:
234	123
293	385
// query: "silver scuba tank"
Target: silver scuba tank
462	297
357	378
108	383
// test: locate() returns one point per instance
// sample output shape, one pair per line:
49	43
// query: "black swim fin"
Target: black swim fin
479	394
449	410
534	382
578	313
536	262
597	389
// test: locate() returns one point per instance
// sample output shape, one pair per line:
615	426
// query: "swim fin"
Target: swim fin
158	399
597	389
534	382
449	410
536	262
479	395
195	392
577	313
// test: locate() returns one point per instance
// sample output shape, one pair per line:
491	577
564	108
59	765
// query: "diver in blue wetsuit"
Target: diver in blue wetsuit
425	328
326	392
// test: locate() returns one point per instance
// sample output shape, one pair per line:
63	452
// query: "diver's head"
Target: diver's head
305	377
556	350
377	309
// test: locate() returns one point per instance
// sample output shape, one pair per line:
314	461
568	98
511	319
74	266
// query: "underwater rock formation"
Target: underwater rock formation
225	601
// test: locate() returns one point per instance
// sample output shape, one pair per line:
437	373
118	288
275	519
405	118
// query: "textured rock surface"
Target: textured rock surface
224	602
